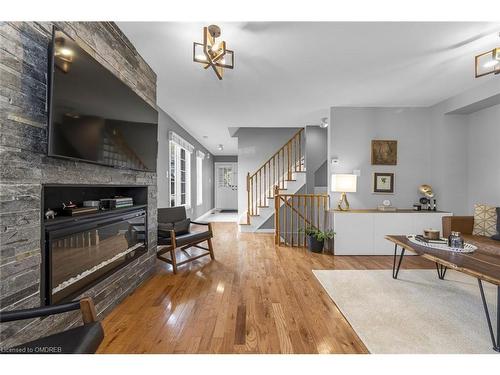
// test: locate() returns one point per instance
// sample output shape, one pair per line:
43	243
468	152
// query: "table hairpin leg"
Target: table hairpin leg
395	270
496	342
441	270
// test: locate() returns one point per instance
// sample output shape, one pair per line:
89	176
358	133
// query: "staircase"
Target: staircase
116	151
283	172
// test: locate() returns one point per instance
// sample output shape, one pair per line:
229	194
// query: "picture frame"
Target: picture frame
383	183
384	152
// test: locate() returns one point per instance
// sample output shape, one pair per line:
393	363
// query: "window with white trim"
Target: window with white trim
199	177
180	171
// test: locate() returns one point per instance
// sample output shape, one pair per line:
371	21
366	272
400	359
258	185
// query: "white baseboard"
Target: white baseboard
199	218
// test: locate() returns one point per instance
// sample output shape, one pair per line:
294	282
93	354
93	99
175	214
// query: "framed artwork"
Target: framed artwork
384	152
383	183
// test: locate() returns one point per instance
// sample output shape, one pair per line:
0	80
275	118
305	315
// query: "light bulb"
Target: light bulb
65	51
491	63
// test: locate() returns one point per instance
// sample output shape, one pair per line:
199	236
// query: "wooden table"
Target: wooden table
483	264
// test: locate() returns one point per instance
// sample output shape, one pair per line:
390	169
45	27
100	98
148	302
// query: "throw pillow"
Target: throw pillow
485	220
182	227
497	236
164	229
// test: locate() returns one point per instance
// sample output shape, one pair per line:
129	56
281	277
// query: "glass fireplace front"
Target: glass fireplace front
81	254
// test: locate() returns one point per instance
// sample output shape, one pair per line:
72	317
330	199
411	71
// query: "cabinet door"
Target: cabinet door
354	233
390	223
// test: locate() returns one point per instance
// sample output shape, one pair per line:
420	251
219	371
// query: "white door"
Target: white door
226	190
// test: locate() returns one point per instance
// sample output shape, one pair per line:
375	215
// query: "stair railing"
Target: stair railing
274	172
293	213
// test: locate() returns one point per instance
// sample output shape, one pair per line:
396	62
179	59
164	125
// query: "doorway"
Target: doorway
226	186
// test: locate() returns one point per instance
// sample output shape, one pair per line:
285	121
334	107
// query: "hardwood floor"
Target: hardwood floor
254	298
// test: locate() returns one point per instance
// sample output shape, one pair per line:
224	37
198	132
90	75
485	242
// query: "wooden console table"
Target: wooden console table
481	264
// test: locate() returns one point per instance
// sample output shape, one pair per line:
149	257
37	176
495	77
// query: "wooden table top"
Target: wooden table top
484	263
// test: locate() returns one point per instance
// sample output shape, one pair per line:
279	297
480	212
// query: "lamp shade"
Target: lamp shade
344	183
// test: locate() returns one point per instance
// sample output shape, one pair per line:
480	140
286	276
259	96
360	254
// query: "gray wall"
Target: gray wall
316	143
321	177
483	178
448	140
25	167
452	145
166	124
255	146
353	129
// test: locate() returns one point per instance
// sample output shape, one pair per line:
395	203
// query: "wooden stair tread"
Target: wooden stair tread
262	206
289	181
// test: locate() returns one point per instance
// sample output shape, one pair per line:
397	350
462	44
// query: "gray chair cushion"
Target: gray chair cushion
182	227
164	229
171	214
185	239
179	227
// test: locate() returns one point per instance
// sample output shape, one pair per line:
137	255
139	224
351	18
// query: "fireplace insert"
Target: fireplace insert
80	252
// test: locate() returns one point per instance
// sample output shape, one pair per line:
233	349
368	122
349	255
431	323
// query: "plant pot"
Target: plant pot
314	245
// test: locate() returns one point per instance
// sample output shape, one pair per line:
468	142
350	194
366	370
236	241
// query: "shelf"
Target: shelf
92	216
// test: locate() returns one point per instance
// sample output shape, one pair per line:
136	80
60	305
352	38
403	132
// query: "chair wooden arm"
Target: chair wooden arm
462	224
85	305
199	223
89	314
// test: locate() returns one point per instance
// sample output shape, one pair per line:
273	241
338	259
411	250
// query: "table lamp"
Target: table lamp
344	183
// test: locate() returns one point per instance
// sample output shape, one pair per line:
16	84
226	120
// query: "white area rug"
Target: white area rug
418	313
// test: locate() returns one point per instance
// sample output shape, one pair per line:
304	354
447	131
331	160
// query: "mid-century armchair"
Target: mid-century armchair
174	232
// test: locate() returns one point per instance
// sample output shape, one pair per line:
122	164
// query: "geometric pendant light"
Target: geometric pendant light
213	54
488	62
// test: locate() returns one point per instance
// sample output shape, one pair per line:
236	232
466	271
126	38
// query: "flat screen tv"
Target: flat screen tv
93	115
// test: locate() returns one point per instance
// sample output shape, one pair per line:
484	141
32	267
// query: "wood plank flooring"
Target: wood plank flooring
254	298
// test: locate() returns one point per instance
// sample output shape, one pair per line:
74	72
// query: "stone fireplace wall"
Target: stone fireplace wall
24	166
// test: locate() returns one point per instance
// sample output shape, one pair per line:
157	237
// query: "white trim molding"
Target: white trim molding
177	139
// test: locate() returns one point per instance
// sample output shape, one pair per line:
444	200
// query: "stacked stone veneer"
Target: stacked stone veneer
24	166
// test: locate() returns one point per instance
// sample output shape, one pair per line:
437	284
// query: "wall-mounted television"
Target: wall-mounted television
93	115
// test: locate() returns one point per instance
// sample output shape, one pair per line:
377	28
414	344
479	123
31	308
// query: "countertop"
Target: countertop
399	211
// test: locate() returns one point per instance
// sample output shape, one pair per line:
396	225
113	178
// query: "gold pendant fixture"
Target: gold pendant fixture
488	62
212	53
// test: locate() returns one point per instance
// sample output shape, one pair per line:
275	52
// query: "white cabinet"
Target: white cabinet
361	232
346	231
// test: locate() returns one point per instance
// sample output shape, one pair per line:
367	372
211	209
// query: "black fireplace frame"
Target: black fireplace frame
45	271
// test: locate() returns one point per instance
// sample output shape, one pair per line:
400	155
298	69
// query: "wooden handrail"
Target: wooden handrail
277	152
274	172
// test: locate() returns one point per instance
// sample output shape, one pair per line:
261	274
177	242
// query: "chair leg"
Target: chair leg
211	249
174	260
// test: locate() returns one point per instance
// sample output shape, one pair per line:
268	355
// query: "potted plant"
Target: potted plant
316	238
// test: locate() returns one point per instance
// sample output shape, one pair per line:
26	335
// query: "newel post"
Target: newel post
248	197
276	215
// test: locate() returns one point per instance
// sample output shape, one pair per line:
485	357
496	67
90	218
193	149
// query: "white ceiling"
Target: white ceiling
290	73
